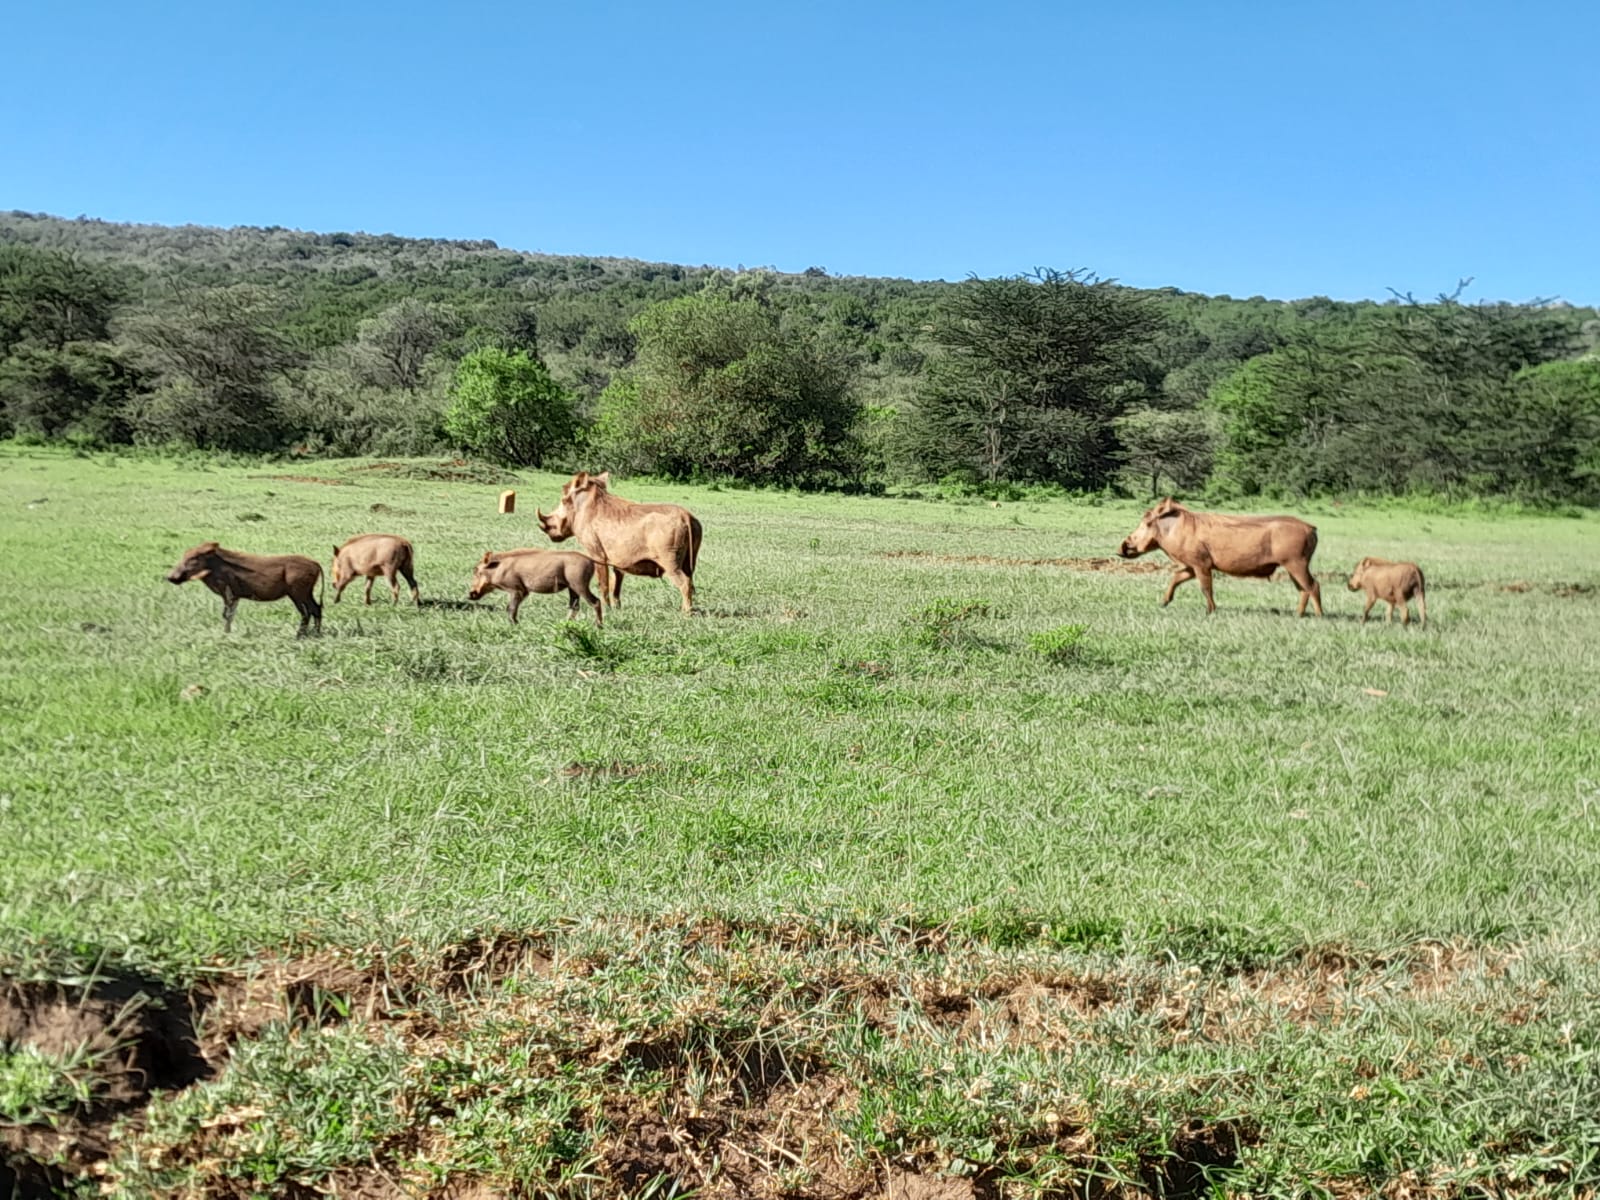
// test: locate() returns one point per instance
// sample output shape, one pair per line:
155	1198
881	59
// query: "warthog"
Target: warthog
543	572
1201	543
1393	582
236	576
637	539
372	555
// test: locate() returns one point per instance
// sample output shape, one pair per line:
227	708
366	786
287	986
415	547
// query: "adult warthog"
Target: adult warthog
1253	547
654	540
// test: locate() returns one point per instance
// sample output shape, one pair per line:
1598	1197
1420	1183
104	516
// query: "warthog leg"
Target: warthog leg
230	604
1181	575
685	584
309	611
1310	589
1365	612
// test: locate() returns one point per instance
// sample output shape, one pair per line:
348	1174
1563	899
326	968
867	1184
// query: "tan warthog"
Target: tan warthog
1393	582
372	555
637	539
1201	543
541	572
236	576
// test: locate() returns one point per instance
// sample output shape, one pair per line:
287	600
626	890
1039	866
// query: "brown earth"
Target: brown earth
305	479
1114	565
767	1127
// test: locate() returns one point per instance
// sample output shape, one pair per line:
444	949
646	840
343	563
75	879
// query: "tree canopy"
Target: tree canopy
277	340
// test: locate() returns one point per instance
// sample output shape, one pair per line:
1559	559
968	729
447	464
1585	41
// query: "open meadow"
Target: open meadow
931	858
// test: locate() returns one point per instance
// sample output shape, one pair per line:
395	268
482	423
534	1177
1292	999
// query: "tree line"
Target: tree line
278	341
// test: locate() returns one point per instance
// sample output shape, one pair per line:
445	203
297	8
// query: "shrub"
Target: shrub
506	407
939	624
1063	644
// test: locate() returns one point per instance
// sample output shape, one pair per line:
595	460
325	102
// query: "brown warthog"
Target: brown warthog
542	572
637	539
372	555
236	576
1201	543
1393	582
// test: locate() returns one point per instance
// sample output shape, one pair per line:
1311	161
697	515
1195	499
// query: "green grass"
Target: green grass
868	723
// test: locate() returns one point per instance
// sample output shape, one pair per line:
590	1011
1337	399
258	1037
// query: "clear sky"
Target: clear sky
1278	148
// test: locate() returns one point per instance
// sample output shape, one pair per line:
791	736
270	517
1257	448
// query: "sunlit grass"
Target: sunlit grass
1025	756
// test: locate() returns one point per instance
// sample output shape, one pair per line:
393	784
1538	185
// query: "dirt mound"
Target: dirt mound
451	470
1566	591
1116	566
736	1088
306	479
131	1037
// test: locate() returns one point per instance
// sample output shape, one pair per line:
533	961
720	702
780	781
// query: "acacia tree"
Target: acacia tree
217	355
506	407
1174	444
394	346
50	298
59	376
1033	369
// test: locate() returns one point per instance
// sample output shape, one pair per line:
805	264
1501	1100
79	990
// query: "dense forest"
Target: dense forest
278	341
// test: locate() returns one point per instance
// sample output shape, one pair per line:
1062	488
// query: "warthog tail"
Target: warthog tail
694	542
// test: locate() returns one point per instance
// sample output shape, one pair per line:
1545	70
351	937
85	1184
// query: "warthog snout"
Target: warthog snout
1126	550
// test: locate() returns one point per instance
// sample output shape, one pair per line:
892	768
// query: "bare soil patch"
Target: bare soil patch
451	470
134	1035
1116	566
322	479
725	1110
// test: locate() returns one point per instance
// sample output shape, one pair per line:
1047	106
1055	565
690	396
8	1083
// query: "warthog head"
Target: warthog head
339	578
481	586
577	491
1145	538
1358	577
195	564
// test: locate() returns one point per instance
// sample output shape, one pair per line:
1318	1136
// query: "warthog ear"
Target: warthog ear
1166	507
603	479
207	548
336	552
491	563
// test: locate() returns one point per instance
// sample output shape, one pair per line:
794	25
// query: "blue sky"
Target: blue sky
1282	149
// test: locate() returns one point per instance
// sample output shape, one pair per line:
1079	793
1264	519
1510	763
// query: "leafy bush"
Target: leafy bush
507	408
939	624
589	644
724	387
1063	644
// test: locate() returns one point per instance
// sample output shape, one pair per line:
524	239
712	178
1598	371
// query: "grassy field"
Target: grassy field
931	859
